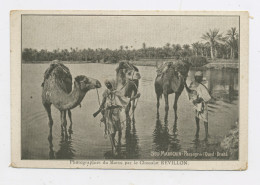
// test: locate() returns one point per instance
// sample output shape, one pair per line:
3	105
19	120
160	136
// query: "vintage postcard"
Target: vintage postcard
129	89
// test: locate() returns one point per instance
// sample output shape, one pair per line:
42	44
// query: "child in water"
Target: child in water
199	95
193	95
112	104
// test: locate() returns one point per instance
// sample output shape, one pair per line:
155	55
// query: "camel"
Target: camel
172	80
127	79
57	90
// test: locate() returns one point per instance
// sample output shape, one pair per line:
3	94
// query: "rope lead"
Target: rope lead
98	97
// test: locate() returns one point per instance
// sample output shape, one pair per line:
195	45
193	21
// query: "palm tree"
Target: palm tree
195	47
212	37
201	48
232	39
206	49
186	50
167	49
176	50
144	49
144	45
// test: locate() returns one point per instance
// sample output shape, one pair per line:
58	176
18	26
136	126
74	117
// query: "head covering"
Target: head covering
198	73
119	95
112	82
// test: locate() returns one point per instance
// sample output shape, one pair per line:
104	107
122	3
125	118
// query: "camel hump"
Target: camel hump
60	68
182	68
163	67
61	74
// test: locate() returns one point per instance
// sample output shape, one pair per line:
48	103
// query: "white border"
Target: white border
192	165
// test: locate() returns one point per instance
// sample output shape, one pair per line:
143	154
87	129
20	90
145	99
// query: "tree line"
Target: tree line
214	45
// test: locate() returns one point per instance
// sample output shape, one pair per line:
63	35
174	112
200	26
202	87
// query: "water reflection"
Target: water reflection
131	141
130	149
163	140
138	140
51	152
205	147
223	85
65	151
175	142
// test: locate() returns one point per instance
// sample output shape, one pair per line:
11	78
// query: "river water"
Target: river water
141	139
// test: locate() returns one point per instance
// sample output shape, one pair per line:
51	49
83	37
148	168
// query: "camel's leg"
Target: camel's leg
133	109
48	110
158	91
132	103
51	152
158	104
134	106
70	128
64	122
198	127
177	95
50	123
206	125
61	120
127	110
166	106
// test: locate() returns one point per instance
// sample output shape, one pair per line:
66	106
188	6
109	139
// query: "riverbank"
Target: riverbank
213	64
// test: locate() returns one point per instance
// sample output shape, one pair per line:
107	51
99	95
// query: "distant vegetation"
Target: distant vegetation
196	61
215	45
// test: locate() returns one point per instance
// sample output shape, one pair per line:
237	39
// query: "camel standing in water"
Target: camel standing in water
127	79
172	80
57	90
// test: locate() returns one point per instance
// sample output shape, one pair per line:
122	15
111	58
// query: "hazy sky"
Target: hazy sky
53	32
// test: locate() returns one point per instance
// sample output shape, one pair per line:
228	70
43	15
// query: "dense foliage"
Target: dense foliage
197	61
215	46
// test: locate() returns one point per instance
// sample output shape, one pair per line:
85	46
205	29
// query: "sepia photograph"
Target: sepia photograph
148	88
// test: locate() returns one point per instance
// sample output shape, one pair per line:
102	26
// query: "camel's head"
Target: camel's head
85	83
128	71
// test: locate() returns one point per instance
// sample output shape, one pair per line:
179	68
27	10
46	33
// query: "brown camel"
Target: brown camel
57	90
127	79
171	81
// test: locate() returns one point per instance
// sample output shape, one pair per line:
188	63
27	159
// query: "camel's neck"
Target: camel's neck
71	100
120	80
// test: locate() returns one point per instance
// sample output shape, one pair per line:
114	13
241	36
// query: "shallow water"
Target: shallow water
142	137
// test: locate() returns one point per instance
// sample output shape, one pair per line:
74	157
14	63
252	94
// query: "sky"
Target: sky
64	32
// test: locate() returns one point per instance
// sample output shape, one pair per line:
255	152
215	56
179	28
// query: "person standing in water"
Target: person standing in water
111	107
200	103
